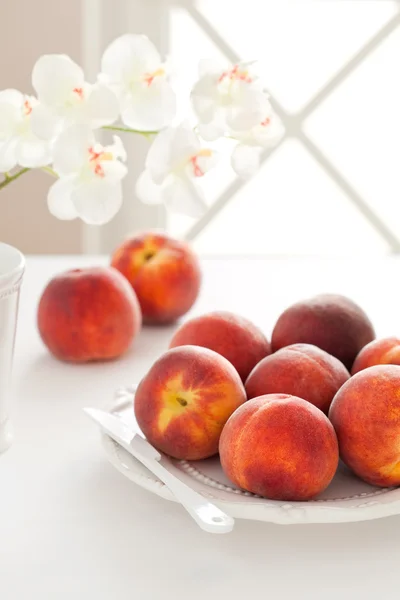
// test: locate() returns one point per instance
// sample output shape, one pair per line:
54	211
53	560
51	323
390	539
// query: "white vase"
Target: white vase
12	264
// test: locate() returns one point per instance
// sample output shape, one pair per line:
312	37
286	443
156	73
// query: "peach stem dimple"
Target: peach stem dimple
181	401
148	255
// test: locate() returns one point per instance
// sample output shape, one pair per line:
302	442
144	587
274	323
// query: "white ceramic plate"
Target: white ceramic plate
346	499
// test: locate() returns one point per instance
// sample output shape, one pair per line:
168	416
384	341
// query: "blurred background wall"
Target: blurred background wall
332	187
28	30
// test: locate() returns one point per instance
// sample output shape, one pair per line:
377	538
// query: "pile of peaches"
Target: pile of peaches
278	413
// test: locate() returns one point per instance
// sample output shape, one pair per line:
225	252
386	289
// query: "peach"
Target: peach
88	314
280	447
333	323
378	352
232	336
184	401
300	370
366	416
164	273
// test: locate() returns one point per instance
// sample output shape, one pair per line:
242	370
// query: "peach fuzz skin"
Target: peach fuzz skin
300	370
232	336
332	322
88	314
184	401
378	352
164	273
280	447
366	416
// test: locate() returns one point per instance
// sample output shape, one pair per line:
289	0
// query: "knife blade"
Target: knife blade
208	516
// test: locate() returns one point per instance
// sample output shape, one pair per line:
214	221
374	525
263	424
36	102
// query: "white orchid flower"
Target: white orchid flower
89	184
65	98
132	66
268	133
231	98
174	164
18	144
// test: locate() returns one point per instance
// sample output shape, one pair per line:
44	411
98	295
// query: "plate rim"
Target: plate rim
272	511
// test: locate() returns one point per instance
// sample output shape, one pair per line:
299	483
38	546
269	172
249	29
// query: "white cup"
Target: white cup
12	264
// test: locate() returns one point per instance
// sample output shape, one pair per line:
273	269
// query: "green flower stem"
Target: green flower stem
146	134
50	171
10	178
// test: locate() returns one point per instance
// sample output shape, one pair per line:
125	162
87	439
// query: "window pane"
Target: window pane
293	206
300	43
290	207
358	128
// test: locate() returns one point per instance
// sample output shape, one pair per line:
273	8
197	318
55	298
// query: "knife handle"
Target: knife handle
208	516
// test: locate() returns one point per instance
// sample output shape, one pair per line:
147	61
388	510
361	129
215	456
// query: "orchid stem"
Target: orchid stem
129	130
50	171
10	178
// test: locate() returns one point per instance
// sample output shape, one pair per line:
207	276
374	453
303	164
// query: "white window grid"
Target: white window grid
294	124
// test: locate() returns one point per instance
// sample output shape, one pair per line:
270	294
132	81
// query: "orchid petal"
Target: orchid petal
12	96
59	199
205	98
54	77
114	170
97	201
45	122
70	150
174	160
158	160
201	163
7	155
32	152
149	107
212	131
208	66
101	107
266	134
230	100
170	150
128	57
147	191
248	108
10	114
117	148
245	160
270	133
182	196
184	144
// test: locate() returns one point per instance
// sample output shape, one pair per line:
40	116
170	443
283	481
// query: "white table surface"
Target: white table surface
73	528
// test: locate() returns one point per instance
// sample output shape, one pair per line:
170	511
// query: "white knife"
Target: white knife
208	516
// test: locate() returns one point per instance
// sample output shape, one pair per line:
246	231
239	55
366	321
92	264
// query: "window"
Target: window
332	187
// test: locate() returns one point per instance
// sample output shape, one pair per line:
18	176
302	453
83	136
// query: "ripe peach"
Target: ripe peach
366	416
164	273
279	446
88	314
301	370
234	337
378	352
332	322
184	401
